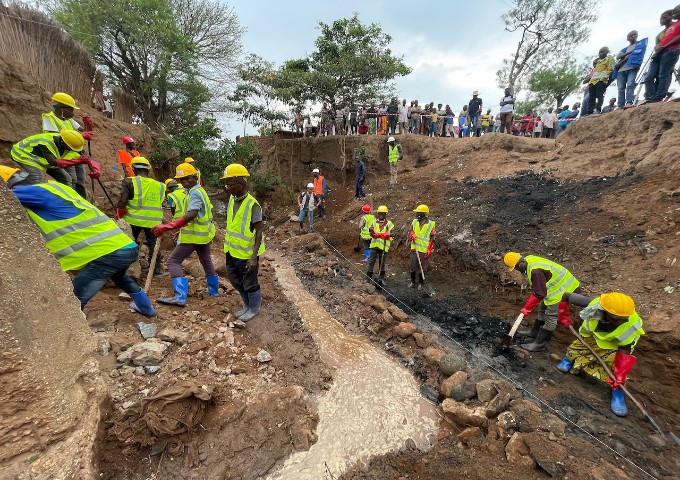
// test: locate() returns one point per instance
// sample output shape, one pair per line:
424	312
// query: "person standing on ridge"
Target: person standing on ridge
629	61
600	80
365	223
612	327
126	155
320	190
507	104
381	234
548	281
141	206
243	241
196	233
394	155
475	110
421	235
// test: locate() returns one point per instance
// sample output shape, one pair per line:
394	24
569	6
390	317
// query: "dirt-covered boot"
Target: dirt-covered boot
244	297
530	333
540	342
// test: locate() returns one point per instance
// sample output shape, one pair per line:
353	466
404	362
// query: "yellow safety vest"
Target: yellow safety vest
628	333
145	209
22	152
57	123
422	235
201	230
561	279
379	242
368	221
179	200
393	156
239	240
77	241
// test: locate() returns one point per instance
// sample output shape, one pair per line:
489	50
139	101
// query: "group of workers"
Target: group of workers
88	243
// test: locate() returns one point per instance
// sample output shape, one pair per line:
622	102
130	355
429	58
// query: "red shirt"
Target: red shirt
672	33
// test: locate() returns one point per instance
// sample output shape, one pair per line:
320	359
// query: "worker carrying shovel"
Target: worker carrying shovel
381	235
611	327
422	245
548	281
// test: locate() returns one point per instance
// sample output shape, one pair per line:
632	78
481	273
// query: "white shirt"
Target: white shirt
549	119
509	107
403	113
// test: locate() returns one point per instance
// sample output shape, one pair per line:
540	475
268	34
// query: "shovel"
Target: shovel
380	281
152	265
606	368
428	289
507	340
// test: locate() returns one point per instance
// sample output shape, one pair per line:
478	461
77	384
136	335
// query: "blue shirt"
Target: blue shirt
563	118
196	201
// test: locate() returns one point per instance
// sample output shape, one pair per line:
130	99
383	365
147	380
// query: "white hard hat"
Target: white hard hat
316	170
310	185
391	139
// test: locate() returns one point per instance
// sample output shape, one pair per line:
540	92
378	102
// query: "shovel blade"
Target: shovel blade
507	341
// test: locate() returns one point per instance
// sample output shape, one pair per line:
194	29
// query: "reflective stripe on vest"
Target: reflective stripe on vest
201	230
393	155
179	202
318	185
368	221
77	241
22	152
561	279
145	209
58	124
239	239
422	235
628	333
379	242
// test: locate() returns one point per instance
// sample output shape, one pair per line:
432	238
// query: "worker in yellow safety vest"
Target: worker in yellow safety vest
141	206
394	155
381	239
46	152
80	236
61	118
365	223
195	235
126	155
548	281
612	327
243	241
421	235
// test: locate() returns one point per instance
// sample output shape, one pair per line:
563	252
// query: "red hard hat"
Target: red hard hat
366	208
127	140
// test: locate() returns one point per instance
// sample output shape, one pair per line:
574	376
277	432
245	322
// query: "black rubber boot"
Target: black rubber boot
530	334
540	342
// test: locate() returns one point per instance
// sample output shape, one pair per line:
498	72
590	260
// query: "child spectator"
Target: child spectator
538	127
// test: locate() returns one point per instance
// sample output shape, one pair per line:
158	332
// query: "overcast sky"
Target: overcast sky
453	47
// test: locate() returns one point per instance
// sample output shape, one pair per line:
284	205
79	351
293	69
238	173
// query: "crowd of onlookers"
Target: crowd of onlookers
627	68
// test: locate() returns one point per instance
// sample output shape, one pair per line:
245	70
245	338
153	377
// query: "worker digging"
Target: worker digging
381	239
421	237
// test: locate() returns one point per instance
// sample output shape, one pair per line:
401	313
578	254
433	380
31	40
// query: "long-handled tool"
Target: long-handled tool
152	265
507	340
428	289
623	387
381	264
89	152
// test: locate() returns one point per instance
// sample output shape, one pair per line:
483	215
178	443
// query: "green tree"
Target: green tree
352	63
554	85
550	30
166	53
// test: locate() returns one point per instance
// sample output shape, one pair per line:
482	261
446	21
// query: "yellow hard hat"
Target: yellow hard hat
140	162
188	160
382	209
184	170
169	181
7	172
422	208
73	139
511	259
618	304
64	99
235	170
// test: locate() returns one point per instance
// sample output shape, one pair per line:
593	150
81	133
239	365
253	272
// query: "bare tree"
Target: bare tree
550	29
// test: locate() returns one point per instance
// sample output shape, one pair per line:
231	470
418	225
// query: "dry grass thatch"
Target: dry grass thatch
124	105
59	63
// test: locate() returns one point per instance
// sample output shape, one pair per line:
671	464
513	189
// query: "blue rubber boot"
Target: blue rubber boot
254	301
367	253
246	305
565	365
181	287
213	285
618	404
142	304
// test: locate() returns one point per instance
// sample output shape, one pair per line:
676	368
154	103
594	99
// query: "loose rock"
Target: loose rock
145	353
517	452
398	313
405	329
452	382
433	355
452	363
264	356
462	415
471	436
173	335
148	330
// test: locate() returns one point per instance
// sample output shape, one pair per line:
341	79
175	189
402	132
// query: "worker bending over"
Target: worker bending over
80	236
548	281
612	327
365	223
243	241
422	244
141	205
381	234
196	232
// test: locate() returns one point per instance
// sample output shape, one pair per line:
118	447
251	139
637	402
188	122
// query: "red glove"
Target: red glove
63	163
412	236
530	305
84	159
120	213
372	234
86	135
623	364
563	314
159	230
95	169
87	120
430	249
385	235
